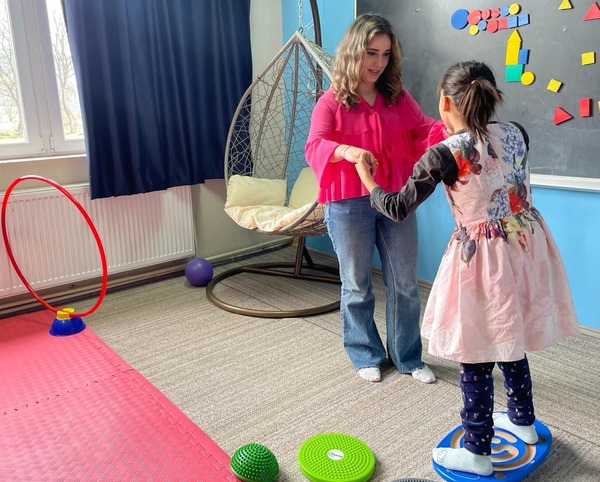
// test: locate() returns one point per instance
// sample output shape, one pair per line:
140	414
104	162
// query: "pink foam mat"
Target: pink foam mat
73	410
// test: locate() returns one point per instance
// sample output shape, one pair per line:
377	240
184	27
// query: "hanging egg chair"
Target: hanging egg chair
270	188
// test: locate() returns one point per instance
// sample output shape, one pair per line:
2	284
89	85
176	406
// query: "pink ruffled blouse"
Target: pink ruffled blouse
396	134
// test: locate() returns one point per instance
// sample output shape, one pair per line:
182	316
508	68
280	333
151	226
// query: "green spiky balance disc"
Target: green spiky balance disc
254	463
336	457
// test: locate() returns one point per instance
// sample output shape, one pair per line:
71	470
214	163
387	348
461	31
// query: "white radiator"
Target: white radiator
54	246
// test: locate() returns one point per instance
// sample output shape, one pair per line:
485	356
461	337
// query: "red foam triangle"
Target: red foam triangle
561	115
593	13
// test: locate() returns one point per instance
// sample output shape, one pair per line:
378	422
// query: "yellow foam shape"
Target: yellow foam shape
588	58
473	29
565	5
514	9
527	78
554	85
513	45
599	105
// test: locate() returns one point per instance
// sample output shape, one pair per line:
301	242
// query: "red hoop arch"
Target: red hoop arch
90	224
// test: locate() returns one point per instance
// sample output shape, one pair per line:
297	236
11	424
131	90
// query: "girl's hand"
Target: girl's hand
358	156
363	167
366	171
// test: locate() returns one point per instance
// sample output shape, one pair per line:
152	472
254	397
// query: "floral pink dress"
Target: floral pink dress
501	289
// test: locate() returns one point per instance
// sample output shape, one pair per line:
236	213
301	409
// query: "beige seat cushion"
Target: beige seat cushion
305	190
255	203
253	191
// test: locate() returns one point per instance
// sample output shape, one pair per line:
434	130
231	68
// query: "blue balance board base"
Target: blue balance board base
512	459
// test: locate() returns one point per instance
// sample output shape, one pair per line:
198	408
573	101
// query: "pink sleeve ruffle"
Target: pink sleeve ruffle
319	148
437	134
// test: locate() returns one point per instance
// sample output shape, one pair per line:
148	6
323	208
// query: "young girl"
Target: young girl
501	289
366	115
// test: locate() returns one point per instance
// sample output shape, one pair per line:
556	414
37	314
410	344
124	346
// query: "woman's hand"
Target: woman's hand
358	155
355	154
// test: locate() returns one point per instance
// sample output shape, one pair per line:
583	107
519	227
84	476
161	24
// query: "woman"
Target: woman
366	114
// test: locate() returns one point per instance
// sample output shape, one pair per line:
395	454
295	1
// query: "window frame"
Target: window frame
40	101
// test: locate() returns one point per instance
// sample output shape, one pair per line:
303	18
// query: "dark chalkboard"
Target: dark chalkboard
555	39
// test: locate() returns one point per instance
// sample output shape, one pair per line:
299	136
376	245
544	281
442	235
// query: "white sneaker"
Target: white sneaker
370	374
424	374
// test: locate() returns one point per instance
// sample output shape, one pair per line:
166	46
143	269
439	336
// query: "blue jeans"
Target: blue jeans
355	229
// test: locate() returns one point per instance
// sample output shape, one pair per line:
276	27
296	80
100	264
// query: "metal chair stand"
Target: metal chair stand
297	270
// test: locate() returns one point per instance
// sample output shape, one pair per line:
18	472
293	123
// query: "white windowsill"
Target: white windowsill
66	169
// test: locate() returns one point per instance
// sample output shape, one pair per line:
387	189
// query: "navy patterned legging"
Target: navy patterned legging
477	385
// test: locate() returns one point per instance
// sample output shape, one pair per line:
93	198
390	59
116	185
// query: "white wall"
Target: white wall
216	234
265	23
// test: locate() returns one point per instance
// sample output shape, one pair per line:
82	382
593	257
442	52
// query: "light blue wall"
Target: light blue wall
573	220
571	215
335	17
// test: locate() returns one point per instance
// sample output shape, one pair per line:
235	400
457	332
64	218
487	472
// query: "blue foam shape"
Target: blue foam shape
527	458
460	19
512	22
482	25
504	11
523	19
523	56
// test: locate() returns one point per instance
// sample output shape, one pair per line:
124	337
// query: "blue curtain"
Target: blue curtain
159	81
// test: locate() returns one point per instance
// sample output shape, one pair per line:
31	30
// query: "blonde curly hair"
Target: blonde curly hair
350	56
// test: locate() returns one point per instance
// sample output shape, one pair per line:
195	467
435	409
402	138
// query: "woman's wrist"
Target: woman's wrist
344	151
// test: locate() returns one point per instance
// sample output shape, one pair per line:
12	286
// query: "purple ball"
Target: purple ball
198	272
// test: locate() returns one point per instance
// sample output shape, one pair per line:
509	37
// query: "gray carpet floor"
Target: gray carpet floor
278	382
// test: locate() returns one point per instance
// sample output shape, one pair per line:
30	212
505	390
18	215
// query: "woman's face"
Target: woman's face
376	58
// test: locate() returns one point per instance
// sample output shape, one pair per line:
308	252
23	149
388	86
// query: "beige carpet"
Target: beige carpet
280	381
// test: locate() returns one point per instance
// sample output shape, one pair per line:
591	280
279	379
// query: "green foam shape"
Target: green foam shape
513	73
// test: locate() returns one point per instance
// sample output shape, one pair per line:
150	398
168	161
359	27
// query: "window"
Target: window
40	113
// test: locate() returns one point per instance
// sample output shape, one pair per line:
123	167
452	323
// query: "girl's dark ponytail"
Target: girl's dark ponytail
472	87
